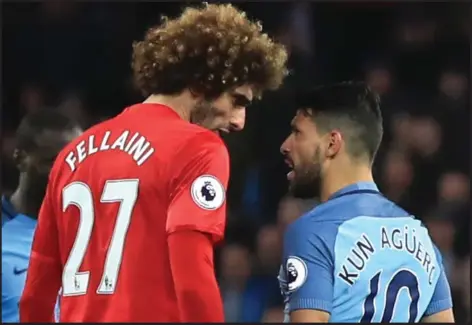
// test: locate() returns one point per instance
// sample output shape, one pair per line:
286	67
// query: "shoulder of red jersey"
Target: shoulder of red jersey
203	163
199	141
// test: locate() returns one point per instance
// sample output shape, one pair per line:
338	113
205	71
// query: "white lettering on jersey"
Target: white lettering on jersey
137	146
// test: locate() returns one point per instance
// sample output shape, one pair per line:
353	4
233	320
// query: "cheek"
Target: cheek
310	145
303	153
321	146
222	112
222	106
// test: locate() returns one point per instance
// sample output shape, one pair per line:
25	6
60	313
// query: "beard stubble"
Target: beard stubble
307	181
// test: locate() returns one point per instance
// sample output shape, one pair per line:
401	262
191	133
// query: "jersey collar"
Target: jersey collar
155	109
26	220
10	213
359	186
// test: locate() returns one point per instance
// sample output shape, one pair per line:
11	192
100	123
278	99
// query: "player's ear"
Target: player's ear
19	158
334	143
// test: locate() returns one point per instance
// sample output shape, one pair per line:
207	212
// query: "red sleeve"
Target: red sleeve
198	191
198	296
43	279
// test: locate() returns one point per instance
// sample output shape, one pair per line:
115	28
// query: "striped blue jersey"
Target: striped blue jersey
17	238
361	258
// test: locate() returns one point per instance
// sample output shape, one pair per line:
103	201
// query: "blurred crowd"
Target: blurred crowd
75	57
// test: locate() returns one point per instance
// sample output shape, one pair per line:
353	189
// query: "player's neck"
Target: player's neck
341	178
181	103
23	202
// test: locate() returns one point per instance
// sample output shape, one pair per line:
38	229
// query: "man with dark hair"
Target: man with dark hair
40	137
353	112
136	204
356	257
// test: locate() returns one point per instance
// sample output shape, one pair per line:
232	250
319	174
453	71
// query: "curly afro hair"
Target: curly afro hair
208	50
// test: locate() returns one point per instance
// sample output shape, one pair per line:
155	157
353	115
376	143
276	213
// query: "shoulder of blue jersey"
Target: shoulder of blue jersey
317	220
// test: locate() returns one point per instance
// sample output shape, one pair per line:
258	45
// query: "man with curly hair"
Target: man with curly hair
135	205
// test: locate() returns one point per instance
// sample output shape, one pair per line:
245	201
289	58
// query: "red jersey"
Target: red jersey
115	195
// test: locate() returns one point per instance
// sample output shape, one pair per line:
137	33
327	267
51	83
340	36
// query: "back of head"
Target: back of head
40	137
35	124
350	107
208	50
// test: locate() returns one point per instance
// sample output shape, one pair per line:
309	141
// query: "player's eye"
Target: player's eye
240	100
295	131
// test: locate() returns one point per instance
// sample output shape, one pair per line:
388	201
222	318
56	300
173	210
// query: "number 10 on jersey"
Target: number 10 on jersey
124	192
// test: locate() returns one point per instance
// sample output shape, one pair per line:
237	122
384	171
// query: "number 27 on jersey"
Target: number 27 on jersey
79	194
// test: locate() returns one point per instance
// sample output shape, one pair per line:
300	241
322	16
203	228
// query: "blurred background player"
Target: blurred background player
40	137
136	204
357	257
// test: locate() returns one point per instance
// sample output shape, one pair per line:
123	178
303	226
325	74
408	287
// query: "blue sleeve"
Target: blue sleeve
309	266
442	299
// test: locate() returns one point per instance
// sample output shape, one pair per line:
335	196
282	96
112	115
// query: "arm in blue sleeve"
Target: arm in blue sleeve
442	299
309	266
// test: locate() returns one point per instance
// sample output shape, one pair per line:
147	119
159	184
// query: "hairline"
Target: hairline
324	128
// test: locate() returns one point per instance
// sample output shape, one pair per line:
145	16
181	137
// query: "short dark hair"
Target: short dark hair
209	50
34	123
351	107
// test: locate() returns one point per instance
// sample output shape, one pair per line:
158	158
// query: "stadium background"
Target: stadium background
75	57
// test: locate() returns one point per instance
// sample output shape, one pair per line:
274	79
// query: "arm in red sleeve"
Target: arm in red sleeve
198	296
43	279
195	221
198	189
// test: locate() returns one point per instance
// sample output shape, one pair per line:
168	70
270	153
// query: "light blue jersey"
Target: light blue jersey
17	238
361	258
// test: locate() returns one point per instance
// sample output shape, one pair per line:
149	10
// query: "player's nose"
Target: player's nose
284	148
238	119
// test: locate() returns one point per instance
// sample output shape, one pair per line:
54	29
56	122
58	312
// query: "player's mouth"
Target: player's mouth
220	131
291	173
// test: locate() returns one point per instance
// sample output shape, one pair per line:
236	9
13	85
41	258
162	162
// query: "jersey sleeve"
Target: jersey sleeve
442	298
309	268
198	189
43	278
196	288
